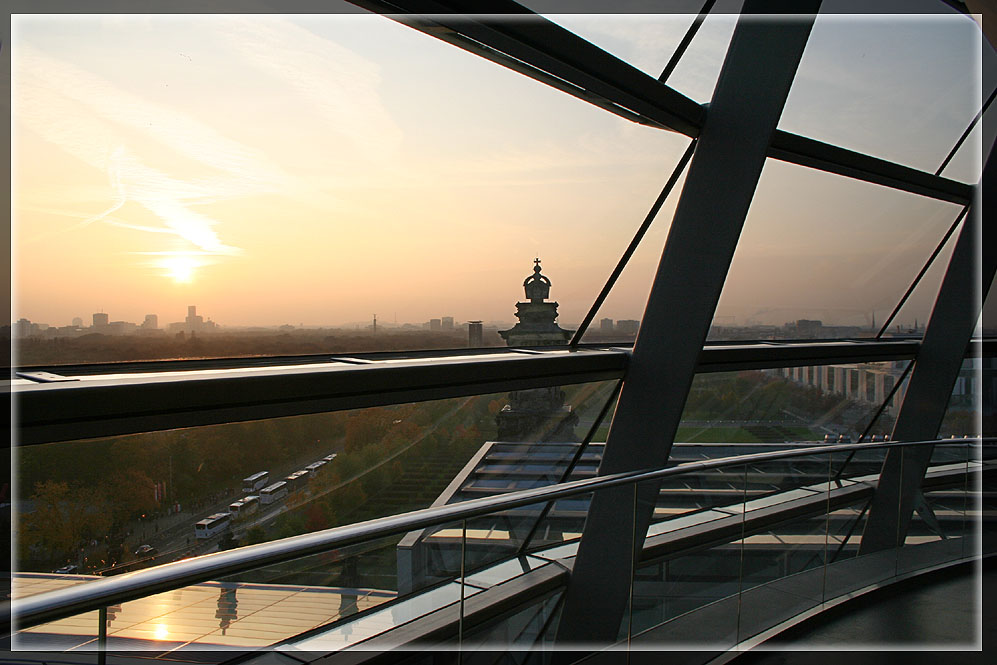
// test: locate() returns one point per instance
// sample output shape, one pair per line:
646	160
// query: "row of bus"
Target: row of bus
267	494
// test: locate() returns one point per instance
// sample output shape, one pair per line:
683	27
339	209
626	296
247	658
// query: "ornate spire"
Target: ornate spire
537	286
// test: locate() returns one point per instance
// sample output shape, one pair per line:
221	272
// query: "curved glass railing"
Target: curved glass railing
749	541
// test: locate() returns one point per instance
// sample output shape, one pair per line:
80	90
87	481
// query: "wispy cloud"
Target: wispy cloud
342	86
87	116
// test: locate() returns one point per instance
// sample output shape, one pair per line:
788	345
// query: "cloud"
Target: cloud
88	117
342	86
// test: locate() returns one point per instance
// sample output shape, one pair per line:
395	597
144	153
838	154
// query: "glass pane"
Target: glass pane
967	163
903	88
618	318
782	566
823	256
535	447
282	181
730	413
684	595
971	402
122	503
912	318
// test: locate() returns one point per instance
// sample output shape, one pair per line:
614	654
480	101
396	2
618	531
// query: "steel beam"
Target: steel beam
127	398
953	319
757	73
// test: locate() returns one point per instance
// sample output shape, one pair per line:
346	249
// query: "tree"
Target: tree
63	518
127	494
256	535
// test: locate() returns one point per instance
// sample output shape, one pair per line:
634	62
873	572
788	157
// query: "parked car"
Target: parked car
146	550
66	570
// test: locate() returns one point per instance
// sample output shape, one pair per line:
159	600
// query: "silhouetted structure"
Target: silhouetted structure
539	414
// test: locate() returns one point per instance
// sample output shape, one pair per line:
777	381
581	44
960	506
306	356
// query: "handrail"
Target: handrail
61	603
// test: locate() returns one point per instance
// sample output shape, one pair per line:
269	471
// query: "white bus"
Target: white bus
212	525
314	468
275	492
243	507
329	458
296	481
255	482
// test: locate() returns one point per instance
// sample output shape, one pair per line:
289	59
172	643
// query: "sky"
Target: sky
321	169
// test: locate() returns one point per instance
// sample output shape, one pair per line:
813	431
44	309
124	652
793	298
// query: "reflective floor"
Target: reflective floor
212	614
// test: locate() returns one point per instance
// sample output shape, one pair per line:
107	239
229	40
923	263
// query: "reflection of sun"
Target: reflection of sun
161	631
180	268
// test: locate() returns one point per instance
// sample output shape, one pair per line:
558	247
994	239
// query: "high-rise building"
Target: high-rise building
606	326
435	324
100	320
151	322
446	323
475	334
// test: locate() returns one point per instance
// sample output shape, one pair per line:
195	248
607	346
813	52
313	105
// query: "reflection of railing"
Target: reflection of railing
99	594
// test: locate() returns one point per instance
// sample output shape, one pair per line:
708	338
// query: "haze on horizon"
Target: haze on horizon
318	169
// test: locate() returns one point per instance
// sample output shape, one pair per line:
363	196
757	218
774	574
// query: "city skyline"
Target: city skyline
142	174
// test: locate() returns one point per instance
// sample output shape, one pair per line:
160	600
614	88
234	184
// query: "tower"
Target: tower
537	316
539	414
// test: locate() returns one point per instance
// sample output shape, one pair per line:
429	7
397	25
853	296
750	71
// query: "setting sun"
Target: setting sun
180	268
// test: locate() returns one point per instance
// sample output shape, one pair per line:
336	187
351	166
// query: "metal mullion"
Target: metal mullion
946	336
760	65
113	406
815	154
93	406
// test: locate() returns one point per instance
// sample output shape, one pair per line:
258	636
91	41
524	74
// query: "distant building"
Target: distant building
606	325
151	322
101	320
121	327
194	323
447	323
475	334
627	326
77	322
24	328
808	328
435	324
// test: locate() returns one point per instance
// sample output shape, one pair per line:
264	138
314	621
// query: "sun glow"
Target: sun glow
162	631
180	268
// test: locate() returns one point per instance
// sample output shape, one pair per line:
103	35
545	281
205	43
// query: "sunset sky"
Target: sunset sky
320	169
